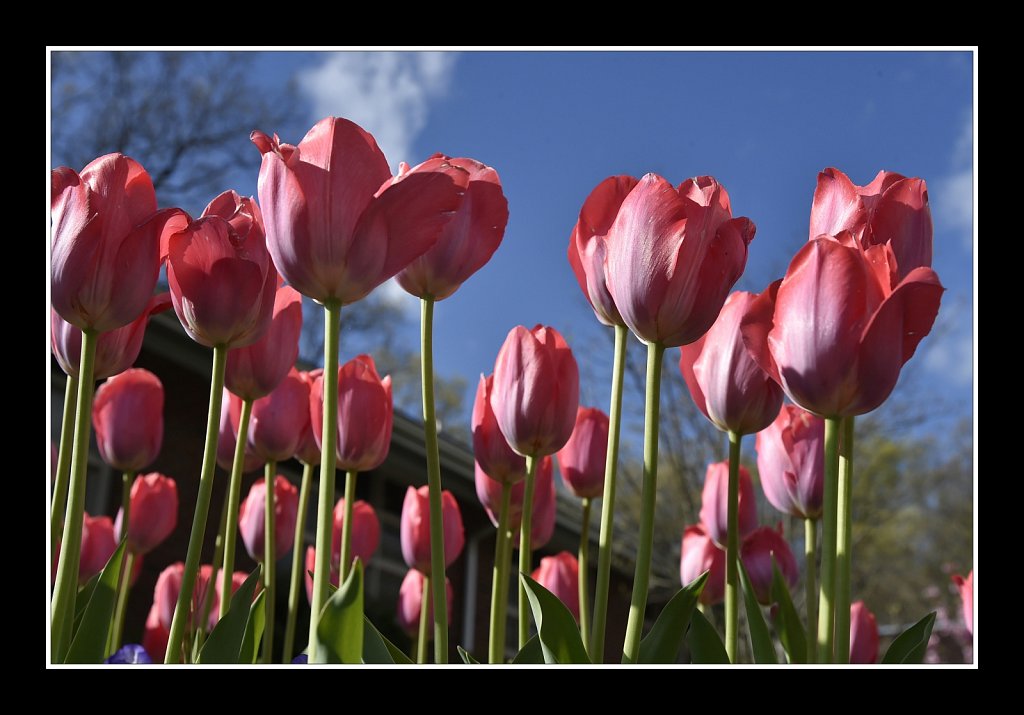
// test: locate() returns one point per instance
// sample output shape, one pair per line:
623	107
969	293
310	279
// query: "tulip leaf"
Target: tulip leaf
340	630
704	643
531	654
90	641
84	596
467	657
666	637
910	645
224	646
559	635
790	629
250	650
378	650
760	639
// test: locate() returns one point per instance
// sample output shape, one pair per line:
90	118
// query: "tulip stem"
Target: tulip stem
269	559
423	634
195	540
844	534
732	552
234	498
218	555
433	479
123	589
328	458
810	587
346	525
525	550
65	589
295	582
499	580
584	573
126	502
826	592
648	498
604	554
60	486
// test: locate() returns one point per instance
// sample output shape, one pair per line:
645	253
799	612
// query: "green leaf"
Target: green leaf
531	654
90	642
84	596
790	629
910	645
340	630
224	646
662	644
250	650
704	643
760	638
397	656
467	657
556	627
375	649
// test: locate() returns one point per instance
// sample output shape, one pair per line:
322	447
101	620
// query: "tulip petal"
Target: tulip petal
755	326
904	221
837	205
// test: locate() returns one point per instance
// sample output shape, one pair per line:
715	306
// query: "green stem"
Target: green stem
525	552
295	582
433	479
269	559
346	525
195	539
123	589
423	635
207	606
234	499
499	580
810	587
60	486
328	458
65	588
126	502
844	534
584	573
826	592
604	554
648	498
732	552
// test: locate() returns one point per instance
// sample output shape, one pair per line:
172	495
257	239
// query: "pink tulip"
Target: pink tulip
155	635
308	451
891	210
790	462
128	416
254	371
165	595
365	415
588	244
410	599
759	548
863	635
966	588
560	574
714	508
700	554
106	242
251	517
490	449
223	284
230	416
673	256
725	383
363	544
338	224
116	350
542	526
153	514
467	241
278	419
582	459
99	541
415	528
536	390
836	331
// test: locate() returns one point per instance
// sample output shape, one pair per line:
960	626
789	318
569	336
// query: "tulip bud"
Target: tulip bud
714	509
560	574
278	419
700	554
490	448
128	415
582	459
763	546
415	528
410	599
863	634
153	512
251	517
790	462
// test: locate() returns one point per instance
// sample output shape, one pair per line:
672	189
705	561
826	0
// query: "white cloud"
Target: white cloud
954	196
952	358
387	93
391	293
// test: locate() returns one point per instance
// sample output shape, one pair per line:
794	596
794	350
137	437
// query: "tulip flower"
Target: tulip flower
488	491
790	462
154	636
410	603
415	529
760	548
129	420
98	544
255	370
251	517
863	634
559	574
966	588
165	598
275	427
153	512
582	459
700	554
363	544
714	502
490	448
230	416
308	451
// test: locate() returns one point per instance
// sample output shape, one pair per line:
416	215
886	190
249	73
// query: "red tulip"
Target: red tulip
410	599
582	459
714	508
759	548
588	244
415	528
365	415
542	526
230	416
863	635
155	635
467	241
725	383
363	543
790	462
490	448
153	512
891	210
168	585
222	281
560	574
700	554
673	256
128	416
836	331
116	350
966	588
278	419
338	224
308	451
254	371
99	542
251	517
536	390
106	242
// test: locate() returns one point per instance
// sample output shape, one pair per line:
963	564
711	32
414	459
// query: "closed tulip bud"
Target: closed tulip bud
153	512
790	462
168	586
155	635
714	508
760	548
966	588
278	419
863	635
582	460
560	574
308	451
251	517
490	448
255	370
700	554
128	416
415	528
99	541
230	416
542	526
410	599
363	543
